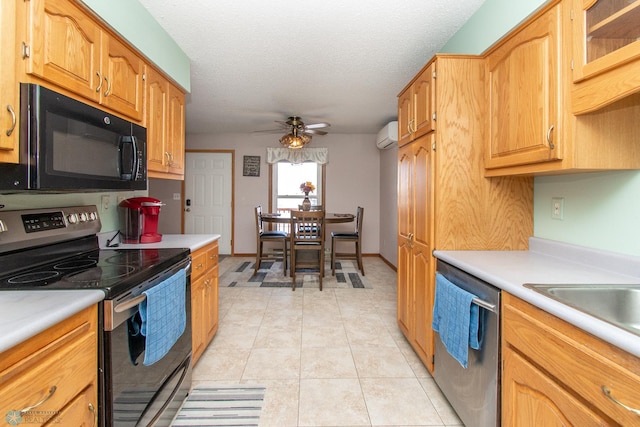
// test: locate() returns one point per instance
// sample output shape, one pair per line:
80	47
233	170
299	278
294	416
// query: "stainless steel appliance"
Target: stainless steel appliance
66	145
58	249
474	392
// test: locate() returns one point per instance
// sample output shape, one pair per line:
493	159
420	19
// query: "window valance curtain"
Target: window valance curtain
279	154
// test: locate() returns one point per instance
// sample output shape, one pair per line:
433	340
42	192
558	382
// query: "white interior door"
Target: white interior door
207	198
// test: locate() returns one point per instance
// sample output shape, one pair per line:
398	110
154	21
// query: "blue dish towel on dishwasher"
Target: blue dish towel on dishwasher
164	316
456	319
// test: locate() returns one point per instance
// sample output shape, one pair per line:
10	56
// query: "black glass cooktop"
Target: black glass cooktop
81	265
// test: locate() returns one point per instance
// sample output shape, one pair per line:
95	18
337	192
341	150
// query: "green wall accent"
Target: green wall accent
132	21
492	20
601	210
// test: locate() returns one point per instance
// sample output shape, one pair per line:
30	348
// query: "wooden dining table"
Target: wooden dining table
284	217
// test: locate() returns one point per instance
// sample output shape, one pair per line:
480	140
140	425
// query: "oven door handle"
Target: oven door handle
126	305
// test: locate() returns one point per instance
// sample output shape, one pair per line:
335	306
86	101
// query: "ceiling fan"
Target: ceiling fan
298	133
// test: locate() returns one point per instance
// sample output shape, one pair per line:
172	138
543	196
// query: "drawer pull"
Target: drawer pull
13	120
199	266
607	393
95	414
29	408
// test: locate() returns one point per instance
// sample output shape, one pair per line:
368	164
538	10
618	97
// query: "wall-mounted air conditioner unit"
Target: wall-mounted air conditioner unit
387	136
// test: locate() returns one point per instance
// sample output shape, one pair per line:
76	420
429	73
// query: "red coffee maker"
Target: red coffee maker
139	220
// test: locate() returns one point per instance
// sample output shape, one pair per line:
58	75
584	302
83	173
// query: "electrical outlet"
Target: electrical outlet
105	201
557	208
176	196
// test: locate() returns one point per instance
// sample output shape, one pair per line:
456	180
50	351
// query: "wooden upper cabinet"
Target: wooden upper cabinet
416	115
9	96
65	46
606	48
165	120
530	127
524	95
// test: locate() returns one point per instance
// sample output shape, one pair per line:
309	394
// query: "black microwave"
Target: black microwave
67	145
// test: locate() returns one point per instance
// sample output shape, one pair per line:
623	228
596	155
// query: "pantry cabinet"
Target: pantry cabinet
416	115
9	94
165	119
65	46
530	127
444	200
204	298
606	49
554	371
52	377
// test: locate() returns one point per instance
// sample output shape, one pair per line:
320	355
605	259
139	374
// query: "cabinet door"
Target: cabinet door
421	264
212	304
423	102
404	116
606	49
531	399
176	131
405	291
9	98
122	73
64	47
156	120
198	298
523	78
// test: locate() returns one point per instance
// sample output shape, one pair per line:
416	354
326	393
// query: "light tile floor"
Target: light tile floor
330	358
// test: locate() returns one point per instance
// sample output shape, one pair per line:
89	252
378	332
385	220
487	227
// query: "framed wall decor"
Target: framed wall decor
251	166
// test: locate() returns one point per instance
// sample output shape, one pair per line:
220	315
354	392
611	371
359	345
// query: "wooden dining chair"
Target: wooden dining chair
307	244
354	237
262	237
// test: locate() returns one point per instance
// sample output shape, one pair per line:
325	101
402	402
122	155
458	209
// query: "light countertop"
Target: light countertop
549	262
191	241
24	314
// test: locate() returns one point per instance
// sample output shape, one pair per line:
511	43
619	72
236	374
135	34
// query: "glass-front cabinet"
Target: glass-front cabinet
606	52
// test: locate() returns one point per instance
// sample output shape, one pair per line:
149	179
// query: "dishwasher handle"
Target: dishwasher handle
484	304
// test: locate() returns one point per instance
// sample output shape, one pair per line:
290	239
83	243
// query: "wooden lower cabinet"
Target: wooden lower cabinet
204	298
554	373
51	379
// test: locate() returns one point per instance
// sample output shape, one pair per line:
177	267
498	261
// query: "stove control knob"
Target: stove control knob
93	216
83	217
3	227
72	218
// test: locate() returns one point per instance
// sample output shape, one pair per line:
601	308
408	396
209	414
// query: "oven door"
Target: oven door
135	394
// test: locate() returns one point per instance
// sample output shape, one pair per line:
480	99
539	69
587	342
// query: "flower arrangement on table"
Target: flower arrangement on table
307	187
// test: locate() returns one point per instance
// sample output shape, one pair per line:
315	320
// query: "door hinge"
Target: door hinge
572	65
433	359
26	50
434	116
435	74
571	16
433	148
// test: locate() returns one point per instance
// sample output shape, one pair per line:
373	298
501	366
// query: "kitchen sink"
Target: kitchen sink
616	304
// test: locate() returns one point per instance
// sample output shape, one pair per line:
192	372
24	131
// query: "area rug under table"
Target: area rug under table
209	406
270	276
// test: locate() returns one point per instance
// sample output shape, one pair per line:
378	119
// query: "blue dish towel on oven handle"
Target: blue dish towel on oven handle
456	319
164	316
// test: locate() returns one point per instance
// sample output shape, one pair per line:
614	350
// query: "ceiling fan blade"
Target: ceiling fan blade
315	131
317	125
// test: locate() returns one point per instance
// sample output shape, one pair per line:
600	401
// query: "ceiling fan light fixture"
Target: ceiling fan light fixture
295	140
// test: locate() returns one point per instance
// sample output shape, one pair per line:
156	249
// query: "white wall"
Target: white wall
389	204
352	180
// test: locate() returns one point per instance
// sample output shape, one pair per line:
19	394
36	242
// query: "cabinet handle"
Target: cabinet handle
13	120
108	91
199	266
47	397
551	144
95	414
607	393
99	81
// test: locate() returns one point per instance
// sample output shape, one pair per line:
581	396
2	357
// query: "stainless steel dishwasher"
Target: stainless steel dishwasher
474	392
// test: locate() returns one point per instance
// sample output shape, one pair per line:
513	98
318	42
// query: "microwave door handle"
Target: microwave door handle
136	162
134	150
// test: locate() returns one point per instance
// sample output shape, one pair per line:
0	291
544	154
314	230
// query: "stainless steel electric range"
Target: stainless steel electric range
57	249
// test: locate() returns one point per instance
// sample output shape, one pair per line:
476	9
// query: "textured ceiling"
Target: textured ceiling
337	61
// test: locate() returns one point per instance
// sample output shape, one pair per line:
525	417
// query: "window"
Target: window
286	179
